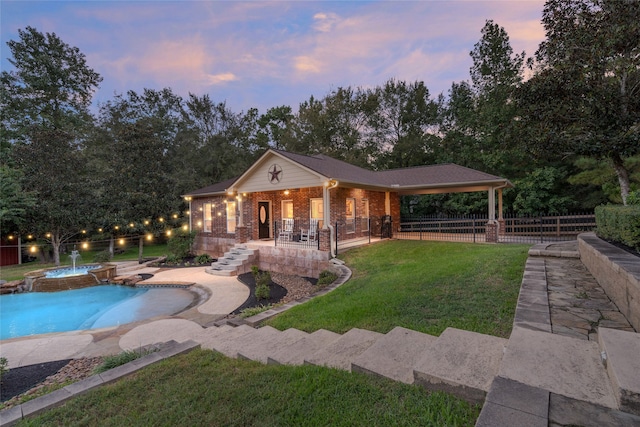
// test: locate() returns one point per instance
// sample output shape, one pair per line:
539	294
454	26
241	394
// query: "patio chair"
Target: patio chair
310	233
286	233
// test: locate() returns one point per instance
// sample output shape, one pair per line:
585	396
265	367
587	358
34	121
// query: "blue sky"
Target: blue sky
265	54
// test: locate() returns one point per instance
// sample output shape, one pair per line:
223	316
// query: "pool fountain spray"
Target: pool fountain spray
74	255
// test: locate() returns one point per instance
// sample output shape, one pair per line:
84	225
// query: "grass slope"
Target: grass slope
204	388
424	286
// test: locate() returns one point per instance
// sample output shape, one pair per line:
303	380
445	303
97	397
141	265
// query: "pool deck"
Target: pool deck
222	296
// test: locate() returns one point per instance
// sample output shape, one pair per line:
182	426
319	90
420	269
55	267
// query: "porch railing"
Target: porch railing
297	233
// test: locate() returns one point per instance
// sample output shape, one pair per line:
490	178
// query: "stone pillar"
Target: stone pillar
501	227
492	231
242	234
324	235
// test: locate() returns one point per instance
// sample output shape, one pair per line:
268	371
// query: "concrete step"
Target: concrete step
462	363
342	351
260	349
219	271
563	365
210	334
246	342
225	342
228	262
394	354
295	353
621	350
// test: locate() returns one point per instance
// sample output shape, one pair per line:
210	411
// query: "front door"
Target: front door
263	220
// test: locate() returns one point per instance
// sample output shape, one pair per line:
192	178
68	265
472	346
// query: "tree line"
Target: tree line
562	125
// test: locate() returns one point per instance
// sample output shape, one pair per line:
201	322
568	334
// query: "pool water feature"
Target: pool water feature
94	307
69	271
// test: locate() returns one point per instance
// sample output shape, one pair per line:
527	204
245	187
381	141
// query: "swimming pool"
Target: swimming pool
101	306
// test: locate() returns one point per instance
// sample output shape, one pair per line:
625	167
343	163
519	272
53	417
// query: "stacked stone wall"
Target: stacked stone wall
617	271
293	261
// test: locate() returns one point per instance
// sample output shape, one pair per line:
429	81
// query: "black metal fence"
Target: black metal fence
297	233
512	229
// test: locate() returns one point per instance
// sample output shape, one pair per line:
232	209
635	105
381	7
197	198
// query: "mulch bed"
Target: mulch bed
276	294
19	380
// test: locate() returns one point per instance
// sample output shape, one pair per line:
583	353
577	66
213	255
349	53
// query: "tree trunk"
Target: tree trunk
623	177
111	244
55	245
140	248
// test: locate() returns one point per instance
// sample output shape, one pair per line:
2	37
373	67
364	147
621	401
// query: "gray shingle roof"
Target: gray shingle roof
443	175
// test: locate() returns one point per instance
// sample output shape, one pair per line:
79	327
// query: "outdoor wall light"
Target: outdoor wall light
286	192
199	223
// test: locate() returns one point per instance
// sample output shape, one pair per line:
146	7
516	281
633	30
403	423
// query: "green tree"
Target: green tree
585	96
15	203
405	124
45	113
129	156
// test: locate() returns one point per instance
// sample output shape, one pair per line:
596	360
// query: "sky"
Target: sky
263	54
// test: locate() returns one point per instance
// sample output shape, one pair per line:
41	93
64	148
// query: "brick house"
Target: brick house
288	204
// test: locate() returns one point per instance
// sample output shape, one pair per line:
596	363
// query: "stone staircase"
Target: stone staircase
518	376
238	259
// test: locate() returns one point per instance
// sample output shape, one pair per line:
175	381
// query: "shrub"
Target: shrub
262	283
180	244
252	311
3	366
203	259
172	259
326	278
619	224
103	256
633	198
126	356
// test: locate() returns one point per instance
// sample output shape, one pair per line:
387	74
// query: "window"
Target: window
317	209
365	215
287	209
350	215
207	217
231	217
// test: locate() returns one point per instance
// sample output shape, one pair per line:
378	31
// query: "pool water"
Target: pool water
87	308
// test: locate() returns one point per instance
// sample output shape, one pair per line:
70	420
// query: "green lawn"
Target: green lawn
17	272
424	286
204	388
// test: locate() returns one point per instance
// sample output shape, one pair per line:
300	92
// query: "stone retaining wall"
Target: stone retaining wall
294	261
617	271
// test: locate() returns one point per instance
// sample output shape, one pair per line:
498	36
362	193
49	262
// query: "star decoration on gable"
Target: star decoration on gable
275	174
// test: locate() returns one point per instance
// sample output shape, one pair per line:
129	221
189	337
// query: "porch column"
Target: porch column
500	217
492	224
387	203
492	204
241	215
326	207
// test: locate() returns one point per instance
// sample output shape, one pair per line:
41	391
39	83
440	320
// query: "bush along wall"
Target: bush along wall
619	224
